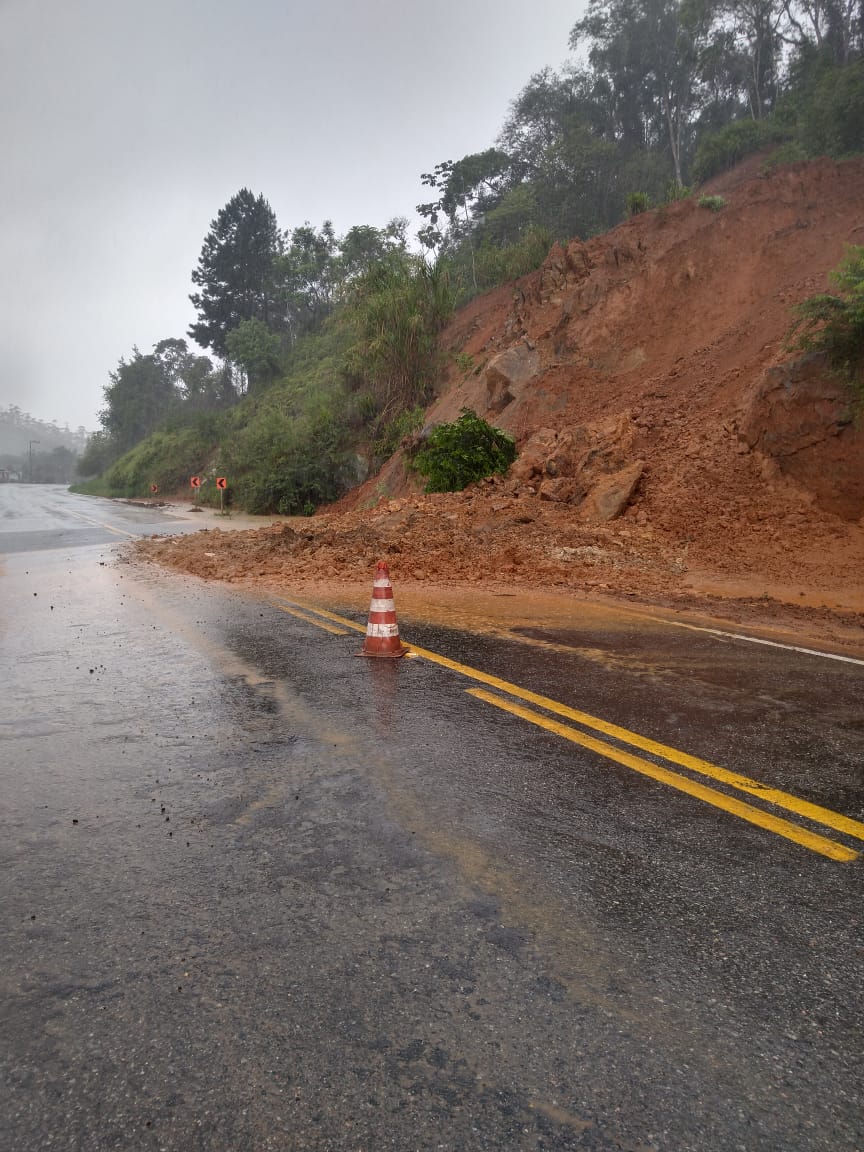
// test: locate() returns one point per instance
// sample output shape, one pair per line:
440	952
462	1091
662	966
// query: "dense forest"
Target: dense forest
322	350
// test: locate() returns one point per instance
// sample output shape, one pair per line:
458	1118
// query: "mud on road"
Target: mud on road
495	560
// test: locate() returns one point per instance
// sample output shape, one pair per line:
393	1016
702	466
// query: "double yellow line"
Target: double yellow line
814	813
102	524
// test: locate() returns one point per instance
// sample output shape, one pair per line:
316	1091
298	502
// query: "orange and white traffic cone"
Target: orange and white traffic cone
382	631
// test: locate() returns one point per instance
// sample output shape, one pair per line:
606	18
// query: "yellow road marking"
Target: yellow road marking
692	787
102	524
310	620
116	531
331	616
826	816
776	796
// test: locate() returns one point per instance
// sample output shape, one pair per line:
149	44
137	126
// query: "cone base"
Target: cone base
391	655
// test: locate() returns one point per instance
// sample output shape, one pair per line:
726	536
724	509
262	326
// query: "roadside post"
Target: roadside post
195	482
221	484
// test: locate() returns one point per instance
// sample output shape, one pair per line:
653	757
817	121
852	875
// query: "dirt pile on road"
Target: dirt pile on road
670	446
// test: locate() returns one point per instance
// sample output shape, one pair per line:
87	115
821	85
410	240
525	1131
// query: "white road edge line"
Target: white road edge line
769	643
712	632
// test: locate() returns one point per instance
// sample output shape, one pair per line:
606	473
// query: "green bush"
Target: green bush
398	308
390	435
497	265
792	152
287	451
637	203
676	191
475	270
463	361
98	487
834	323
712	203
455	455
720	151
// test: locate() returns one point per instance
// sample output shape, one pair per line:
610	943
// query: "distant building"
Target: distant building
5	475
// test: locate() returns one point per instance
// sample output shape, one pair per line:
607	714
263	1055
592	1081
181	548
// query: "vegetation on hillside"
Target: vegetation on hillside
456	455
322	350
833	322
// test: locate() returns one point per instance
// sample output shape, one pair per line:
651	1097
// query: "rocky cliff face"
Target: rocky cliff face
799	421
672	329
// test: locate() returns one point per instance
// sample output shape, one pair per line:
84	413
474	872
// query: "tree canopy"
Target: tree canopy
236	272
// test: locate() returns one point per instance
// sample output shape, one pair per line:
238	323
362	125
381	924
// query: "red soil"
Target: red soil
654	356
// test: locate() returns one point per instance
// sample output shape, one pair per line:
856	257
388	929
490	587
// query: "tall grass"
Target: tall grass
398	308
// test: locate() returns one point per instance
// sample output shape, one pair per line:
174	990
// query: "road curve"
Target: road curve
260	894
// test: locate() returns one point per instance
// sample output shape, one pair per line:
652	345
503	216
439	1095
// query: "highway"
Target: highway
585	887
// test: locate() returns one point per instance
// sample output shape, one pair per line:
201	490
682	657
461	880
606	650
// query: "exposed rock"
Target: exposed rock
577	261
799	418
507	374
563	269
562	489
574	453
612	442
533	455
611	494
570	447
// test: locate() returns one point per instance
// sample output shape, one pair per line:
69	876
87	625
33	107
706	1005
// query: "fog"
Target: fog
126	127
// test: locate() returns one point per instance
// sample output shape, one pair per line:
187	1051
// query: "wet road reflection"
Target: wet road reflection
260	893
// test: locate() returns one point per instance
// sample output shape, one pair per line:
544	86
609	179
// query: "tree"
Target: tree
399	307
649	53
256	350
307	273
837	27
569	150
142	393
539	114
200	387
832	120
465	187
431	235
207	388
55	467
237	272
757	25
362	246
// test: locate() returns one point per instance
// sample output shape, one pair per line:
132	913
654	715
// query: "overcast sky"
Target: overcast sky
127	124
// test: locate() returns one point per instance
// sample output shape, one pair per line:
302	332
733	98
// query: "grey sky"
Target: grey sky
127	124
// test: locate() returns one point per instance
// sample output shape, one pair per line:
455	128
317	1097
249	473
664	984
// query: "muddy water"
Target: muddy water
504	611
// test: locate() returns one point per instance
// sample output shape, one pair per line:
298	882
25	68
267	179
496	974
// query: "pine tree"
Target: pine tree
236	272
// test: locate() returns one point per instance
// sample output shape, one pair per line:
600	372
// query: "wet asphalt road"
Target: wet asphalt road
258	894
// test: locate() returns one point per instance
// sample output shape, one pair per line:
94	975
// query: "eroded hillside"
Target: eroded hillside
670	447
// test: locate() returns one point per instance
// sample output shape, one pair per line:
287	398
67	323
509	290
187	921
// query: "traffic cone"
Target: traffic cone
382	632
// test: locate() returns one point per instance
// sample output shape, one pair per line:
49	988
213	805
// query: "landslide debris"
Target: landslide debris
670	447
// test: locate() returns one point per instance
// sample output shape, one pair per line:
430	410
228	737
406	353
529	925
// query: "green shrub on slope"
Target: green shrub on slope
455	455
833	323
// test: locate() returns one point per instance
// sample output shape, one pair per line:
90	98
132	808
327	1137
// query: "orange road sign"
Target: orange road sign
195	481
221	482
154	488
